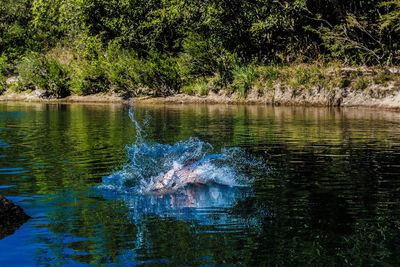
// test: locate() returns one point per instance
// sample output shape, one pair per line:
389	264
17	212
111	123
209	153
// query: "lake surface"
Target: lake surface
325	189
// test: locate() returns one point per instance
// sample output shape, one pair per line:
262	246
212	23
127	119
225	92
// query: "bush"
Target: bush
89	73
202	57
57	80
243	78
3	70
197	58
161	73
305	76
266	76
197	87
39	72
32	71
227	62
123	71
382	76
89	77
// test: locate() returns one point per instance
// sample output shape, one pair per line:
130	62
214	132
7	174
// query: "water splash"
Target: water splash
220	175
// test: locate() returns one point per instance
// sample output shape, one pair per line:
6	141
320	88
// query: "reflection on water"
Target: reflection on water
330	195
193	202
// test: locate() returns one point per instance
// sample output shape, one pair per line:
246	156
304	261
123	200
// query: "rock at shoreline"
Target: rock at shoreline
11	217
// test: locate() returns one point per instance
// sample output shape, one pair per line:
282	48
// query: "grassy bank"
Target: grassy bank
119	74
60	73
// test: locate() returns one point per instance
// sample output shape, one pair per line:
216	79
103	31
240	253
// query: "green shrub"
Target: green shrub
89	77
39	72
197	58
243	78
3	70
161	73
215	82
305	76
123	72
299	78
58	79
32	71
89	47
202	57
197	87
227	62
267	76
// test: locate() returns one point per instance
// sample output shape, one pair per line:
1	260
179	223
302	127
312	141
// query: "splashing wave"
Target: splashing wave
177	166
149	161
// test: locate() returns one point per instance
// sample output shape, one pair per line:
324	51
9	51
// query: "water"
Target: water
326	191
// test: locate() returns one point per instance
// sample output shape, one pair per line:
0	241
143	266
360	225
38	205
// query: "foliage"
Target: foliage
266	76
197	87
366	39
3	69
123	70
43	73
243	78
199	57
155	46
160	72
15	34
88	77
382	76
302	76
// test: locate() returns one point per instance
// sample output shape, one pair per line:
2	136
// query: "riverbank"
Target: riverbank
296	85
387	97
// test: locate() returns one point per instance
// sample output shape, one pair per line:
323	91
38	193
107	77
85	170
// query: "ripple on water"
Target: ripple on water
12	171
7	186
3	144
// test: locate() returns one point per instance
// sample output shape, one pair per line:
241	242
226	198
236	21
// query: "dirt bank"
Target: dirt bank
386	97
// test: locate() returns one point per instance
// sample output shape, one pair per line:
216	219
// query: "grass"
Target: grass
267	76
383	76
308	76
61	72
243	79
3	72
298	76
197	87
360	84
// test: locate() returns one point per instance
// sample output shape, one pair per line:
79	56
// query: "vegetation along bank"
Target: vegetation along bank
292	52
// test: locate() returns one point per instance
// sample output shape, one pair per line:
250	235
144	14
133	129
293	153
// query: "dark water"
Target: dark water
330	194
